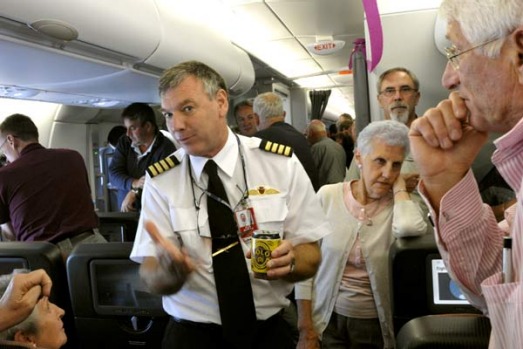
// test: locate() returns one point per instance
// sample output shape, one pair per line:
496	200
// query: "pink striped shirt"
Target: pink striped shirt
470	241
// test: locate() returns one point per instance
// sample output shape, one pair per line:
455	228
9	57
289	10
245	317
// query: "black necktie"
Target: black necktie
233	285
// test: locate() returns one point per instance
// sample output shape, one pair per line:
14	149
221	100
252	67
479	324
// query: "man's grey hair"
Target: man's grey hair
390	132
174	76
484	20
268	105
387	72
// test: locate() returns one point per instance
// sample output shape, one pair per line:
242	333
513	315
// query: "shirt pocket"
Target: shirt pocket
184	221
270	211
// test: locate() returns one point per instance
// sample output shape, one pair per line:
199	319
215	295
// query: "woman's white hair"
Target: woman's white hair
390	132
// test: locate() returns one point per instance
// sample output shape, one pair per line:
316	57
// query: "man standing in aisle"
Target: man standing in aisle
143	145
196	257
485	71
269	108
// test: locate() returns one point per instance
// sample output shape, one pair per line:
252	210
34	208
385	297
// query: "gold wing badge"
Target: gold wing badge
263	190
274	148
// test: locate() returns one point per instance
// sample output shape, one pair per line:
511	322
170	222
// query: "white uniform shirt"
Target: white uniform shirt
289	206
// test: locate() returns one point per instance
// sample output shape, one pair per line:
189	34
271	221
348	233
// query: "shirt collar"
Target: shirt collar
511	138
225	159
147	151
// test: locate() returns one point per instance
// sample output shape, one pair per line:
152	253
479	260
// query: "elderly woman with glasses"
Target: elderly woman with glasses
347	303
43	328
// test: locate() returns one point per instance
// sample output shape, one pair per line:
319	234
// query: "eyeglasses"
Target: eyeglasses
453	53
404	91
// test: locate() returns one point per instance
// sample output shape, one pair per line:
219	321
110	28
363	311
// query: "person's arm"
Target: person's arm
444	146
408	217
21	296
167	273
7	232
118	174
309	338
128	202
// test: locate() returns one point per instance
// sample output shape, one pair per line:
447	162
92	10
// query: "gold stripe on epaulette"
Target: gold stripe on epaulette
276	148
162	166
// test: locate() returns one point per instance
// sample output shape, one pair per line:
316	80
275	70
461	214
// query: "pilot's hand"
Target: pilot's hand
174	264
282	261
128	202
21	296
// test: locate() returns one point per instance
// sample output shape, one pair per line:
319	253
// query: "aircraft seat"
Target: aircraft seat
41	255
448	331
420	284
118	226
112	308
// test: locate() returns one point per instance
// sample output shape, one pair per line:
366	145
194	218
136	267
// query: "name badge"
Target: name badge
246	221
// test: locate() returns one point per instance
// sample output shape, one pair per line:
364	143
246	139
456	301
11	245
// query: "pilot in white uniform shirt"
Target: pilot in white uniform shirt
280	194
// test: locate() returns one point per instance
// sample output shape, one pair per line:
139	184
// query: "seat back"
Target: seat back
42	255
111	306
448	331
118	226
420	284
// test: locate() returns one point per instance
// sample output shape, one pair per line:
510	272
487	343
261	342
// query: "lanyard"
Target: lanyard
212	195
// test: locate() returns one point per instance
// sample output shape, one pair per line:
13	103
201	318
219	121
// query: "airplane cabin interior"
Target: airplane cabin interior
72	66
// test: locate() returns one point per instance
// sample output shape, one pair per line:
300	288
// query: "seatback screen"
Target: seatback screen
118	290
444	289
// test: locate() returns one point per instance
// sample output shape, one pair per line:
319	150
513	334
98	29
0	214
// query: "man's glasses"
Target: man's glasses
404	91
453	53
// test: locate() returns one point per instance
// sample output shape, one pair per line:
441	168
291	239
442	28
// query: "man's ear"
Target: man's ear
149	125
223	102
518	45
23	338
379	101
418	96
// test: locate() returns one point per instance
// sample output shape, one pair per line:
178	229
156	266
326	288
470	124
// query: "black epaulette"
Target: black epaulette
276	148
162	166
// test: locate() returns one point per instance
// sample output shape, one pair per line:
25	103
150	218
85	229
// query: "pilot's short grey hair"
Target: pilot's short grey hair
174	76
390	132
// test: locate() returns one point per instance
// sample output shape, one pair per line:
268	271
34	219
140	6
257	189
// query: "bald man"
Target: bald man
329	156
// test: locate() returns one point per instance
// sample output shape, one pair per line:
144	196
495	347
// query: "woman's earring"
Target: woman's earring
359	166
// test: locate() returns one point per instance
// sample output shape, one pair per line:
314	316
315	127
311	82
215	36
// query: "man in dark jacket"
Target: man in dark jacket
269	108
142	146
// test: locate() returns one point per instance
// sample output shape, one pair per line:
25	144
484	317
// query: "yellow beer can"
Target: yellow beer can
263	243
